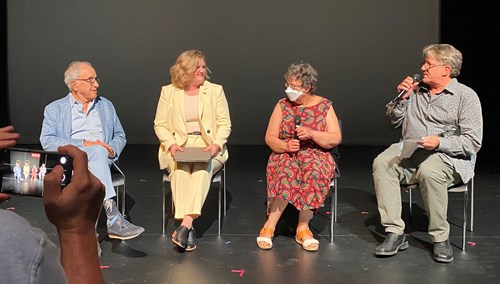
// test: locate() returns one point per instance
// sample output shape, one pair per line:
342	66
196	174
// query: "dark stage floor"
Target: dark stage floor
235	258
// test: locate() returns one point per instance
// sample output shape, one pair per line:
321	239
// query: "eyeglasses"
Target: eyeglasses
428	66
288	85
90	80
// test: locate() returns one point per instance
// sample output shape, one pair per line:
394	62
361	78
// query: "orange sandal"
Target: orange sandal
309	244
265	242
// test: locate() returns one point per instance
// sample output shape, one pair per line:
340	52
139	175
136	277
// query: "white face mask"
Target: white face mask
292	94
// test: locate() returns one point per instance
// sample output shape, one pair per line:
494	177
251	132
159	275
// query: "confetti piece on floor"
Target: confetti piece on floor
365	213
104	266
239	271
259	180
11	208
142	180
227	242
471	243
328	212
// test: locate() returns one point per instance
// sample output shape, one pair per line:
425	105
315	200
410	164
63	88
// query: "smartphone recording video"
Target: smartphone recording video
23	170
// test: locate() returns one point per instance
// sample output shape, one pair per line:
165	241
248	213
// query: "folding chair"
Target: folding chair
219	177
460	188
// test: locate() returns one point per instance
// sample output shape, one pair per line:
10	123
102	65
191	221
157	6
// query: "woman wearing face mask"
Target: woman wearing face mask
192	112
302	129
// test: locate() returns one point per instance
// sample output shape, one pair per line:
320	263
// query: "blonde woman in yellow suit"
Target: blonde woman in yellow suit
191	112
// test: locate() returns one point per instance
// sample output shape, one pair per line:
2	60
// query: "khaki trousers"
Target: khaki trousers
190	182
433	177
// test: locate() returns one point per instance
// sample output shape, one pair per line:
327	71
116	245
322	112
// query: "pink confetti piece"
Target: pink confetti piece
104	266
11	208
239	271
365	213
328	212
471	243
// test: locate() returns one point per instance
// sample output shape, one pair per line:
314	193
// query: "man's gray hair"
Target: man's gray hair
73	72
446	54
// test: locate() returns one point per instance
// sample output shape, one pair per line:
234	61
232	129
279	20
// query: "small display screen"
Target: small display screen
23	170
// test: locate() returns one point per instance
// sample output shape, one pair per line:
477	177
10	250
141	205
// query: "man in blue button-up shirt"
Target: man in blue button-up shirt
88	121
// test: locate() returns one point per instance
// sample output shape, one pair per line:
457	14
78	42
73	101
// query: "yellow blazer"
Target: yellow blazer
213	114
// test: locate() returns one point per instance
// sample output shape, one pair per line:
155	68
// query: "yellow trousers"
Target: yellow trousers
190	182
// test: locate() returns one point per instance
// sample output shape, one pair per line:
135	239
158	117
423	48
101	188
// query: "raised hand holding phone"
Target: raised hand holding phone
74	211
80	202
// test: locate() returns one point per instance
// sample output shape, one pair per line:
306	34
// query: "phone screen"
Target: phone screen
23	170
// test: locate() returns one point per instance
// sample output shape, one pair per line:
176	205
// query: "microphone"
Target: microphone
416	78
296	122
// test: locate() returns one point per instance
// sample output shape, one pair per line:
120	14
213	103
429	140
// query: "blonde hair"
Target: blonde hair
185	66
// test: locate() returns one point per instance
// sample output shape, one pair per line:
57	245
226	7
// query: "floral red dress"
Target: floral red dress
301	178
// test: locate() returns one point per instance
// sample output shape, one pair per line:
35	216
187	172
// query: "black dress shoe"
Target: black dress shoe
180	236
190	246
442	252
392	244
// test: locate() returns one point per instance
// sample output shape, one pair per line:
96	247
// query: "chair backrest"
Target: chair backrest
336	154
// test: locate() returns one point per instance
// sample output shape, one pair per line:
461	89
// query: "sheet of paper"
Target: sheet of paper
408	148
